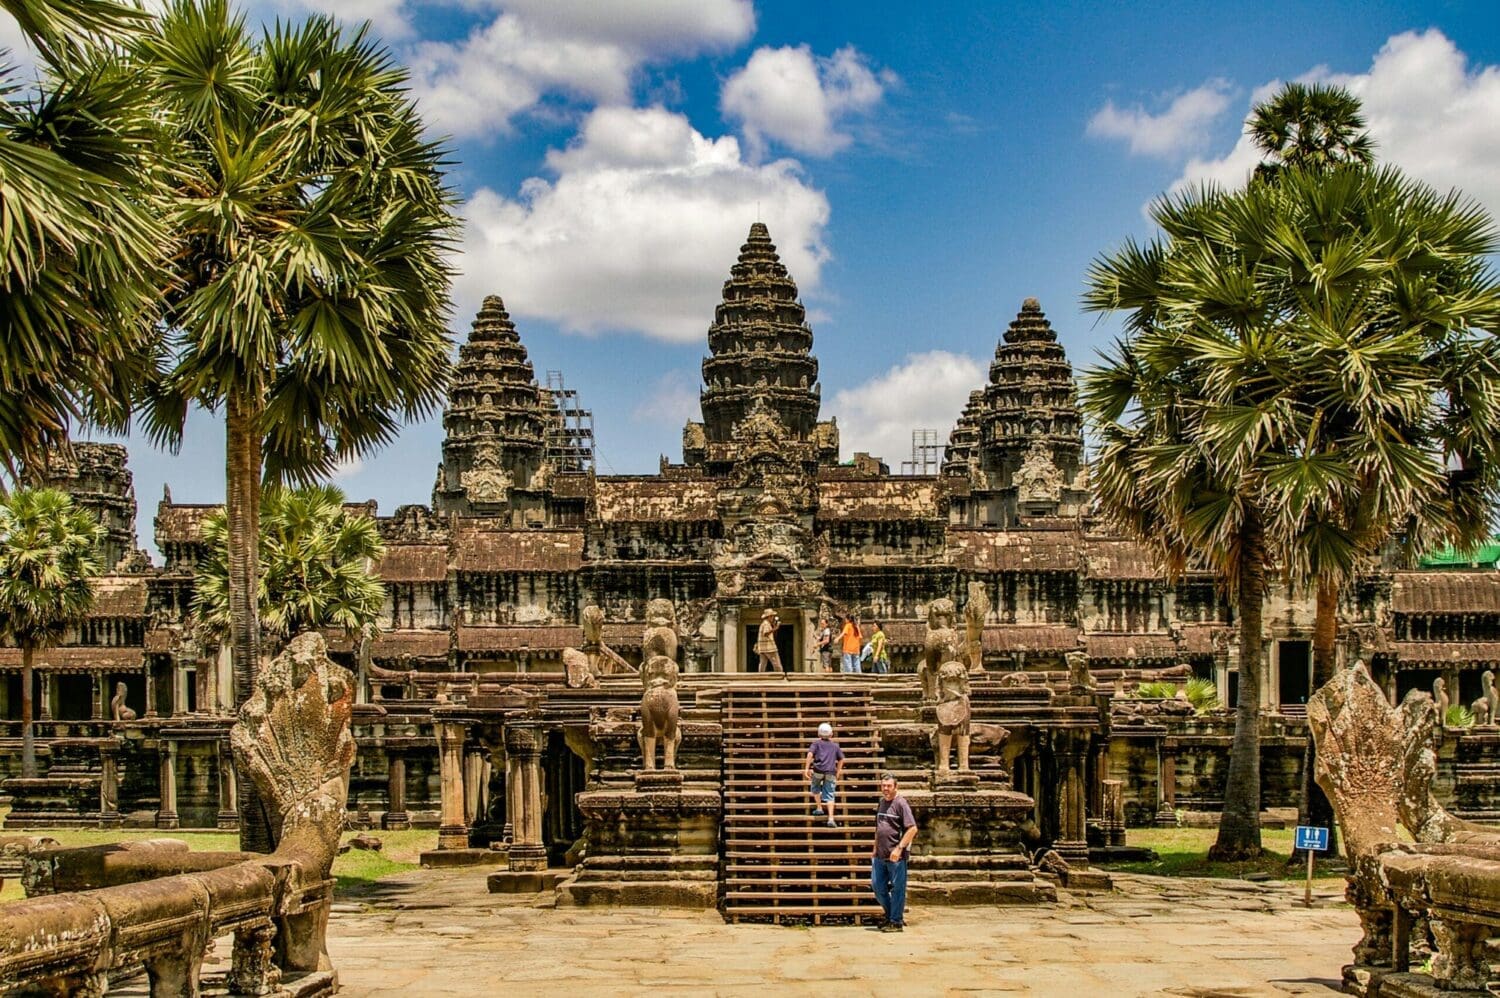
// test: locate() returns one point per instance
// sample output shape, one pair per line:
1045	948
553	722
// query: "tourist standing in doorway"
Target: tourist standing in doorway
822	771
895	828
849	639
825	645
765	644
880	653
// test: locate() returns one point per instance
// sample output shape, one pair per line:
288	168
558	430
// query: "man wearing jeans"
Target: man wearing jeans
824	766
895	828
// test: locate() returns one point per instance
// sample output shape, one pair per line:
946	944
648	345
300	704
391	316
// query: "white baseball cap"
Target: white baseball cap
825	728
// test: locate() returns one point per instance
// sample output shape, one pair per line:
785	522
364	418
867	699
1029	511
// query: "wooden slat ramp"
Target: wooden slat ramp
780	863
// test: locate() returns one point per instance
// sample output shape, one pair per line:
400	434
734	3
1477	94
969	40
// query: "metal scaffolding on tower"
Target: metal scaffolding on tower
570	431
926	454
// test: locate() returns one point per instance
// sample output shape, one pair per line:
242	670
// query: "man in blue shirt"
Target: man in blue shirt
824	766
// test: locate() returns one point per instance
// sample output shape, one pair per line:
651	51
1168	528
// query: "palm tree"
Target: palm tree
48	550
79	237
315	566
1310	126
312	226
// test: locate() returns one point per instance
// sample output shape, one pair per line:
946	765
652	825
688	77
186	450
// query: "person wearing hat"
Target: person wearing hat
765	645
822	770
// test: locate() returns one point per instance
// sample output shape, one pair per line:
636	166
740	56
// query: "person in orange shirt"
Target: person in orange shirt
849	643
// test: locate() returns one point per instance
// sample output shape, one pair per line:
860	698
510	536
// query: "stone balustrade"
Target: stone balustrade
157	906
73	943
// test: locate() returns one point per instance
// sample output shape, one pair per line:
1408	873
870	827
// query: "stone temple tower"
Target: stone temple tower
494	428
760	362
96	476
1020	441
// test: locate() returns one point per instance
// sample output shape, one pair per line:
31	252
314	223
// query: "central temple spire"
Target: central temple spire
760	359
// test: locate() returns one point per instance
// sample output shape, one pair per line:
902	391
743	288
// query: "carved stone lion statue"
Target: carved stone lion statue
661	630
659	712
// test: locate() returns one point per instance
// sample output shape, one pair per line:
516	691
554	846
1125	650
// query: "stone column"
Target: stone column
396	817
1072	799
1166	785
99	701
473	785
166	814
229	815
453	832
523	761
731	643
44	705
1112	813
150	689
109	785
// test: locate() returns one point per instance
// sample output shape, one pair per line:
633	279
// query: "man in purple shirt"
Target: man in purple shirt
824	766
895	828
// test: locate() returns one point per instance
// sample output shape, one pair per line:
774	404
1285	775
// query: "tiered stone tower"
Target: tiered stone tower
495	427
1027	461
760	362
96	477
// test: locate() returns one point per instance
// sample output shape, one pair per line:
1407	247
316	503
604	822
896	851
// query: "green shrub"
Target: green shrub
1458	716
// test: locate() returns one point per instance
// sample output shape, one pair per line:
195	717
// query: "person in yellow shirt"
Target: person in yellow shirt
849	644
880	655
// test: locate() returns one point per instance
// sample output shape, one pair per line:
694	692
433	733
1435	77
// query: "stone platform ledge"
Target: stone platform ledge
526	881
981	892
1087	881
440	859
643	894
1382	982
313	984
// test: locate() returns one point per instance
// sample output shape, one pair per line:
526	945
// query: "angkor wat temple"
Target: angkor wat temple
465	682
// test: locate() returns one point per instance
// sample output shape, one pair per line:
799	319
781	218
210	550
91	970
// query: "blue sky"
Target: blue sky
923	167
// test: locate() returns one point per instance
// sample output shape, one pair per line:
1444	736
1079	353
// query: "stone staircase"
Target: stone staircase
779	863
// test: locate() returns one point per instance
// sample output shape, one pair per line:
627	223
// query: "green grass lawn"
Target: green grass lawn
1183	852
356	868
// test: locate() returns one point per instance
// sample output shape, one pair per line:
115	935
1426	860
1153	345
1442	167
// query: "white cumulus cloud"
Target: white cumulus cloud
926	391
390	19
638	229
585	51
1429	110
1176	129
802	101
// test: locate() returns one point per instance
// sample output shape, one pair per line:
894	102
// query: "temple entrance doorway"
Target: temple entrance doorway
786	641
1294	672
563	779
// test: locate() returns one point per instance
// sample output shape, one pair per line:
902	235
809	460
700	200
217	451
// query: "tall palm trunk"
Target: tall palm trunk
28	737
1316	808
242	471
1239	826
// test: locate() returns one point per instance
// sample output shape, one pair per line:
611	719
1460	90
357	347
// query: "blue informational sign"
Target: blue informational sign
1312	838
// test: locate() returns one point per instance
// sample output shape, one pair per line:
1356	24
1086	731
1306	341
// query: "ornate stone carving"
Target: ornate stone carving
1377	763
975	610
1440	697
659	707
1080	679
117	708
941	644
953	715
660	712
1491	695
1038	480
293	739
487	482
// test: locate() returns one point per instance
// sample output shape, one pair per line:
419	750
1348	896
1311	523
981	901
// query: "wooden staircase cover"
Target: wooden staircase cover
779	862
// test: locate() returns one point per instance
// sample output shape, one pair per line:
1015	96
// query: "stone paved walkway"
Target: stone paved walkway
431	933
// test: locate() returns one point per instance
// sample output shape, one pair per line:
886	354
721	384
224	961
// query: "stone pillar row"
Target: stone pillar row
453	832
523	781
396	817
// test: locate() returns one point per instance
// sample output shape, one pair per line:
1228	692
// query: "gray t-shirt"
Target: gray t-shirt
892	818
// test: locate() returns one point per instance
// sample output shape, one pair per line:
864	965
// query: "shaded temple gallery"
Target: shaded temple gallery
464	699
